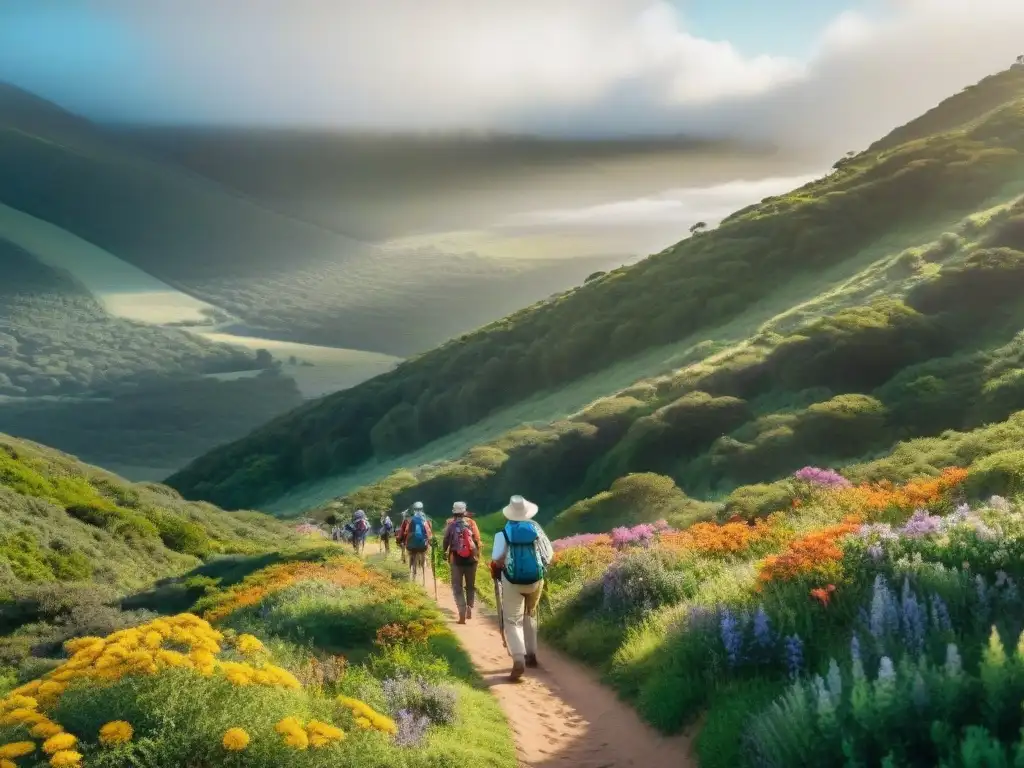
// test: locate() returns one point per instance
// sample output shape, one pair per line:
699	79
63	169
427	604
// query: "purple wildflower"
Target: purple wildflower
912	619
794	655
412	730
940	614
921	524
876	553
642	534
858	663
884	611
824	478
762	629
732	636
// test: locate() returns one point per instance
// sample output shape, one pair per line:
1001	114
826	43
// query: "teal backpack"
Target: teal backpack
522	563
417	537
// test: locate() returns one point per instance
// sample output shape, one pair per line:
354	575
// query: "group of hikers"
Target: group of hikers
519	558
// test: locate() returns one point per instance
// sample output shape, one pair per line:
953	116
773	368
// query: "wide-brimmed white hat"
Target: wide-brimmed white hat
417	507
459	508
520	509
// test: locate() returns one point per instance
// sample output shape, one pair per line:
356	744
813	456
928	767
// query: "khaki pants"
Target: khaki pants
519	609
418	564
464	586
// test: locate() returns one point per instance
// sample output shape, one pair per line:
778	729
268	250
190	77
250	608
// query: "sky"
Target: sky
786	71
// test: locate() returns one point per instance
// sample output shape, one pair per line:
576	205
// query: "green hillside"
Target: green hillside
831	308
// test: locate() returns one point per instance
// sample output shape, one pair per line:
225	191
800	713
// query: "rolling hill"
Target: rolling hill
831	321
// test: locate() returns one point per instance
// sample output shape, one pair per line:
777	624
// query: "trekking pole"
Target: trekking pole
433	565
501	614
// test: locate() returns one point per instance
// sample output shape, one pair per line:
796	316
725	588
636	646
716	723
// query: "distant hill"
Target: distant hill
807	313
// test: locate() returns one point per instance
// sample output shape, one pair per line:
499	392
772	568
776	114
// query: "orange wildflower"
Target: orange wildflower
813	552
823	594
727	539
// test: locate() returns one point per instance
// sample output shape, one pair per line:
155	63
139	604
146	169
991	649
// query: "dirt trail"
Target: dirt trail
560	714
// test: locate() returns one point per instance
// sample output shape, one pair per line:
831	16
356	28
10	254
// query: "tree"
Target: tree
699	227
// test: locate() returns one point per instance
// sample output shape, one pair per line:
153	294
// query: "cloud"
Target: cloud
678	207
565	67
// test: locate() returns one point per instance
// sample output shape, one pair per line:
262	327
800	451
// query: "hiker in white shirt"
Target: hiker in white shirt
520	556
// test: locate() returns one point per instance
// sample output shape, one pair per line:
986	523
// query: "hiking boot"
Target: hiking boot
518	668
531	660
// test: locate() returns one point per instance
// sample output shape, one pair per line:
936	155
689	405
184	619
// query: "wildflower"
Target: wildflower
876	552
5	763
823	594
249	645
824	478
17	749
835	681
884	613
45	729
999	504
235	739
886	671
921	524
321	734
412	730
732	636
66	758
794	655
858	664
762	628
912	619
59	743
940	614
293	732
116	732
919	692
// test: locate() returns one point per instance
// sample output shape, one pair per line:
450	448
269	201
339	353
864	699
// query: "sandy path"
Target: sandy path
560	714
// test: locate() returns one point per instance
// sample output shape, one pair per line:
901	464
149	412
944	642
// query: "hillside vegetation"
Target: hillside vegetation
879	269
139	629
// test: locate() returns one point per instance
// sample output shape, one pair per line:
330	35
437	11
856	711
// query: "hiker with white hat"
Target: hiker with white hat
461	548
399	538
521	554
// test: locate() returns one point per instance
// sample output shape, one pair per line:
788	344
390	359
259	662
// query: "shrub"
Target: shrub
637	584
436	701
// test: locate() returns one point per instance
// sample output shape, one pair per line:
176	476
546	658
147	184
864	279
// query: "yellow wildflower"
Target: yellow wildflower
51	688
21	702
66	758
321	734
5	763
153	640
28	688
45	729
82	643
363	723
173	658
235	739
296	739
59	743
249	645
22	716
17	749
116	732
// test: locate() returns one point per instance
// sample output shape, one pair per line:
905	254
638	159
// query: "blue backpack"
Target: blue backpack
417	538
522	563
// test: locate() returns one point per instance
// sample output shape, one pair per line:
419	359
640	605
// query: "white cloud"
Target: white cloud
556	66
679	207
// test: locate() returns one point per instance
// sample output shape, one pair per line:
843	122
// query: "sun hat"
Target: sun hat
417	507
519	509
459	508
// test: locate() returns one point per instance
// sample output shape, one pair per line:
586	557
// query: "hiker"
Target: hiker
360	528
461	548
521	554
404	527
386	531
335	533
416	534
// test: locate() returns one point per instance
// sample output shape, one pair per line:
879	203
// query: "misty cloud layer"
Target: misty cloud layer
562	67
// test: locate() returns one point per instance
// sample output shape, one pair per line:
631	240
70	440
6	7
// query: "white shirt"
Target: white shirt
544	548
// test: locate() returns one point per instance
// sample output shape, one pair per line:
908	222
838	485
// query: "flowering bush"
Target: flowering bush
815	554
821	478
438	702
636	584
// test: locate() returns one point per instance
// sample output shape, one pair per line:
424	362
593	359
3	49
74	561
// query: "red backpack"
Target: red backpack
463	545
